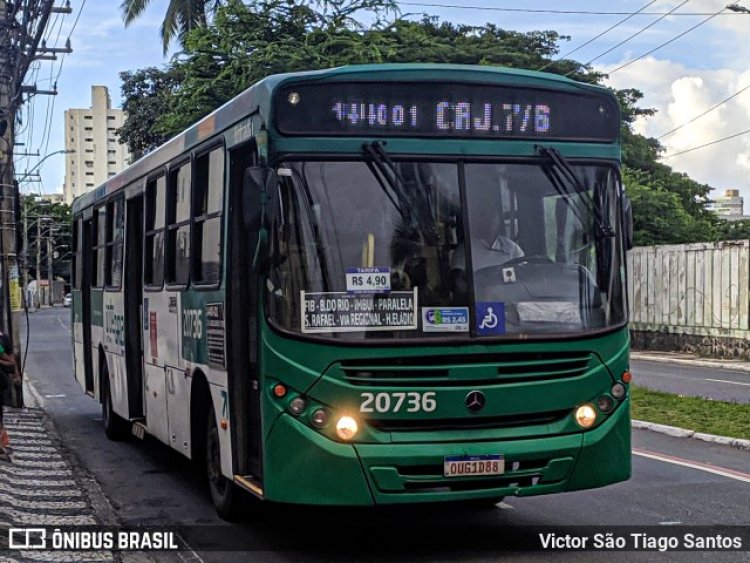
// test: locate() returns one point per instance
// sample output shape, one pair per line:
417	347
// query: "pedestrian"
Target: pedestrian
8	375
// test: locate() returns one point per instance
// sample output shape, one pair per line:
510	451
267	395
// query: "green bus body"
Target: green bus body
532	384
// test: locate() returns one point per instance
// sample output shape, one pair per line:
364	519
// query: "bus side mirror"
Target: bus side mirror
627	219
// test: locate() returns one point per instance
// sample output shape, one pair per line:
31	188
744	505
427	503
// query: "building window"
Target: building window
177	269
88	129
89	185
111	117
89	150
153	257
89	173
112	140
85	117
89	139
208	204
111	151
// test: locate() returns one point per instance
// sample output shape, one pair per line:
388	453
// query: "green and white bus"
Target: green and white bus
370	285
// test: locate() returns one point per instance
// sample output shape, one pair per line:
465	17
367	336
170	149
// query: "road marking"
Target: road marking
707	467
725	381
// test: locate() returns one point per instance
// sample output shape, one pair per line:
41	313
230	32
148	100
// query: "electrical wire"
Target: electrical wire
709	110
668	42
619	23
552	11
745	132
633	36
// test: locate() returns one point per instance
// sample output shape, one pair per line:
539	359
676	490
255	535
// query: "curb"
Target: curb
734	365
685	433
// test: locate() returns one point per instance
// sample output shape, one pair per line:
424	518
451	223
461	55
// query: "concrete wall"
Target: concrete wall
691	297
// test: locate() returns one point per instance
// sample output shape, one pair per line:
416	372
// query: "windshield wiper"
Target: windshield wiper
563	178
402	194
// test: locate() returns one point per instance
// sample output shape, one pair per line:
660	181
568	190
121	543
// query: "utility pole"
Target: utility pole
38	293
22	26
50	277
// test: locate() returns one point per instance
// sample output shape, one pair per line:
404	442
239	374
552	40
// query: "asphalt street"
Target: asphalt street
676	481
698	381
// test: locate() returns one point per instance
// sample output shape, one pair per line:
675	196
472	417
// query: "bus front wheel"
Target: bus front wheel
224	494
116	428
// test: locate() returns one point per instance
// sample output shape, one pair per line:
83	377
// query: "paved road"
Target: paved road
674	481
698	381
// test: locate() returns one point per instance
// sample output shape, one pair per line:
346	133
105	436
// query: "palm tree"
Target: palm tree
181	16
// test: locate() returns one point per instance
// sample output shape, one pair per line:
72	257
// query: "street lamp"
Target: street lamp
38	164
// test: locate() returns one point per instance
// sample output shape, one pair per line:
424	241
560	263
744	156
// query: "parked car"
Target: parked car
68	300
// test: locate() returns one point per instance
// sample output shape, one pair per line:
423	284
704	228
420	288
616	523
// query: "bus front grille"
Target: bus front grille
468	423
470	370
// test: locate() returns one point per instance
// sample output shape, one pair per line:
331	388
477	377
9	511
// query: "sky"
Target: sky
703	63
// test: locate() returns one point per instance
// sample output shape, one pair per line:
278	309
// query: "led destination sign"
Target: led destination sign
445	110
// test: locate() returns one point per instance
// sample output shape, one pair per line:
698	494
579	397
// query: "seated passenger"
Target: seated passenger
488	247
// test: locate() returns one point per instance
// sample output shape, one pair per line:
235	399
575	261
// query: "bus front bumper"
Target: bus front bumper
302	466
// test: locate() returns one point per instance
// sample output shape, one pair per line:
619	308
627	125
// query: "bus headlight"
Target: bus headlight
585	416
346	428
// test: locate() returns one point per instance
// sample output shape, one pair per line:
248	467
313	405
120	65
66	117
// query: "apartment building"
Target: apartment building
97	155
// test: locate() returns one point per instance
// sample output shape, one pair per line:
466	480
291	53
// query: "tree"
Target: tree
246	42
181	16
147	95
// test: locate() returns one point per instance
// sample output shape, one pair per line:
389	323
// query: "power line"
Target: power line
619	23
745	132
551	11
634	35
668	42
712	108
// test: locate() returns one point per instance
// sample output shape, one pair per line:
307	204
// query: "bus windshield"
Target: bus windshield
404	249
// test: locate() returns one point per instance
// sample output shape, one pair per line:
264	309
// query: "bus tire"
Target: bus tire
116	428
225	495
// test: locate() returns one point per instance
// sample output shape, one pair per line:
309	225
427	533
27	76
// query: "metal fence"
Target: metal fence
699	288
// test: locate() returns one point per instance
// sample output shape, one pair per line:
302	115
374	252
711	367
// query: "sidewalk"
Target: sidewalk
42	486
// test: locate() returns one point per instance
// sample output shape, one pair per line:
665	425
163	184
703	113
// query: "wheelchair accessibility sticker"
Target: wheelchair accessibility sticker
490	318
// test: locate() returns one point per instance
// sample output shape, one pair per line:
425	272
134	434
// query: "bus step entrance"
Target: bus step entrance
139	430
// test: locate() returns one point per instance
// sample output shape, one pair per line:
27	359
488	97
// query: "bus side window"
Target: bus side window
77	254
115	232
98	239
208	204
177	271
153	257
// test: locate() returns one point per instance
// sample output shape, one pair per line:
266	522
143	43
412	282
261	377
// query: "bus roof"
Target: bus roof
257	98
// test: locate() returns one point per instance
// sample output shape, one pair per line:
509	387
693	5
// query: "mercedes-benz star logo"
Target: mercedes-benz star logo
475	401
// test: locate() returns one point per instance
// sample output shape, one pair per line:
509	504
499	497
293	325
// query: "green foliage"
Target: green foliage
246	42
147	95
51	221
243	42
659	216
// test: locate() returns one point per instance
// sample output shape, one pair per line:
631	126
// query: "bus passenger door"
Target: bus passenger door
242	319
87	257
134	316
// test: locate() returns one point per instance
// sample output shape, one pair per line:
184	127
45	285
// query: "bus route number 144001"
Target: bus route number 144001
399	401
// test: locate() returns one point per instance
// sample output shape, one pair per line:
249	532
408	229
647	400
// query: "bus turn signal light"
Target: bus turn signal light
279	390
627	377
